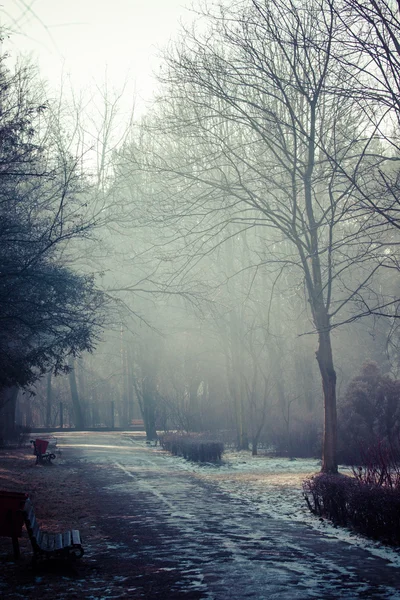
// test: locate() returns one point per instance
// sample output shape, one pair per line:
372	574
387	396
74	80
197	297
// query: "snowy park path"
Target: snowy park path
231	532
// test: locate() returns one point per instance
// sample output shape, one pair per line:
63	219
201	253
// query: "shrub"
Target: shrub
18	436
370	509
369	411
380	465
304	440
196	447
328	496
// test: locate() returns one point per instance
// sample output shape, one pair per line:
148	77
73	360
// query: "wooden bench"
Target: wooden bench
45	545
42	457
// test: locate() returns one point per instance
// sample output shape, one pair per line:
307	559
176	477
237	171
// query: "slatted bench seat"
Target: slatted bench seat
51	545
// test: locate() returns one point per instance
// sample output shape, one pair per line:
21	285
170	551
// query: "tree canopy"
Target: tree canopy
47	311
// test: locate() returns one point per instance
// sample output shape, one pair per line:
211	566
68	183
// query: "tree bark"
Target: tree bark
8	403
49	400
149	412
78	413
130	386
194	408
328	374
145	393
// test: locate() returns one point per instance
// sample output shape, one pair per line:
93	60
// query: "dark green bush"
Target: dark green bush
196	447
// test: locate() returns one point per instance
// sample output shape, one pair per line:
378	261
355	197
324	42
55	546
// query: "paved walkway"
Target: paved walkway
178	536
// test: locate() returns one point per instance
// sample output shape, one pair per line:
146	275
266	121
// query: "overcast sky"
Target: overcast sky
87	36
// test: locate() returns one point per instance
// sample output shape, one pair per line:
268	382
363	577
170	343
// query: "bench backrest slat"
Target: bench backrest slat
44	542
58	541
50	541
29	514
39	538
67	538
76	538
34	528
32	525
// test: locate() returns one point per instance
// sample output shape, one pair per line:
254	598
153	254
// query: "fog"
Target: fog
243	213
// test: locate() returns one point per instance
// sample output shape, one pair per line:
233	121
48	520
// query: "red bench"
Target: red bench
40	451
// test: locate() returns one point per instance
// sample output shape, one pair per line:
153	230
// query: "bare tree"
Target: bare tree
268	72
372	62
48	312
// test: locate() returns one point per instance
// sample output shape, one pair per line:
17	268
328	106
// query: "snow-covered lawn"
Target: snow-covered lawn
274	486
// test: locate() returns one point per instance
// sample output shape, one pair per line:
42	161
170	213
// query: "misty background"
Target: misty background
238	211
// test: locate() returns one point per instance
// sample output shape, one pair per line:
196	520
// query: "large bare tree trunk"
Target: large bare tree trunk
149	409
328	374
129	385
235	360
8	403
124	387
146	392
195	420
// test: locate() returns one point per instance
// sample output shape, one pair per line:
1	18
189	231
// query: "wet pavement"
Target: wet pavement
178	535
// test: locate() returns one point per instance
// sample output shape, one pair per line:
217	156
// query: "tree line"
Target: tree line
253	214
49	311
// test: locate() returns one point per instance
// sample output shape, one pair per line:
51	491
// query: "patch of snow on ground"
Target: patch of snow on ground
274	485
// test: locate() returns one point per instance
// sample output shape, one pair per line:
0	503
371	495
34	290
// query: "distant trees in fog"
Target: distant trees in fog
264	150
250	216
47	310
